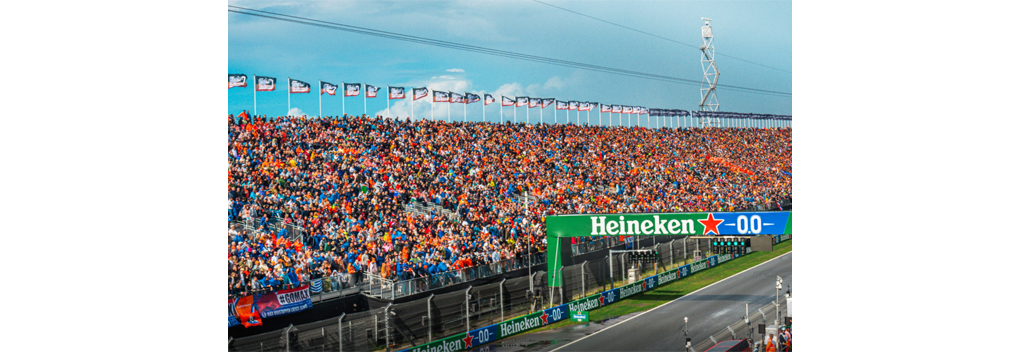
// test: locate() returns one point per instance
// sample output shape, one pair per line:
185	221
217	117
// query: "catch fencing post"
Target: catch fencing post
562	283
429	305
286	335
671	255
501	299
375	328
612	284
583	291
386	318
467	309
340	328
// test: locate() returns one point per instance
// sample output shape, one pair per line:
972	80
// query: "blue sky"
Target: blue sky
757	31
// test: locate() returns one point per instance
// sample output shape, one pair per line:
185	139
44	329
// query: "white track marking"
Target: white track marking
667	303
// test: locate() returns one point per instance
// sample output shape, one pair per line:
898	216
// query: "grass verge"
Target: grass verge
662	294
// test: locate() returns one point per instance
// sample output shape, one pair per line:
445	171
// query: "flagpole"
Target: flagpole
448	108
366	100
412	104
465	110
501	109
589	114
387	101
528	111
483	108
515	110
320	98
554	111
600	115
541	114
432	106
255	95
288	96
343	98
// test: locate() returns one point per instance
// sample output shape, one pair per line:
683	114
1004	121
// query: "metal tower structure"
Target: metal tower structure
709	101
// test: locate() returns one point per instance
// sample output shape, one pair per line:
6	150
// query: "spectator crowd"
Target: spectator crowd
345	181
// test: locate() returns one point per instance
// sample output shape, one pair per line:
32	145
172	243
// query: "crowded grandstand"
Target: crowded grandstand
346	183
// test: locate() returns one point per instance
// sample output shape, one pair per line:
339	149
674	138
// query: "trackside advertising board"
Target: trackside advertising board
478	337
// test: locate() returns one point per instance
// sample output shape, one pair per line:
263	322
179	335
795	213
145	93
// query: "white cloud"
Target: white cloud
295	112
455	70
554	82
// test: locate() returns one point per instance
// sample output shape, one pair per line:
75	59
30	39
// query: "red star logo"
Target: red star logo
467	340
545	318
602	300
644	285
711	224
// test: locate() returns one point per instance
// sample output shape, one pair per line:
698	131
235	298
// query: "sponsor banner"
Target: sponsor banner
456	98
627	110
667	277
572	105
472	98
352	89
650	282
481	336
522	101
683	271
489	99
236	80
699	265
605	108
580	317
440	97
561	105
547	101
617	108
534	102
265	84
396	92
327	88
632	289
506	101
449	344
588	303
297	86
284	302
713	261
371	91
420	93
724	258
738	223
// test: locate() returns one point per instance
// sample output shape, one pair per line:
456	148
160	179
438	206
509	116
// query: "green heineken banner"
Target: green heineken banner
580	317
661	224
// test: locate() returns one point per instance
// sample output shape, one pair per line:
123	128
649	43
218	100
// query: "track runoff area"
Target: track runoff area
708	309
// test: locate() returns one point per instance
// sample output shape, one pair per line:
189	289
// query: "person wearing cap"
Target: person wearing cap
770	345
782	338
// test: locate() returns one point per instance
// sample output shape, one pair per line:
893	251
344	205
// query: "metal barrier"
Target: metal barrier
375	285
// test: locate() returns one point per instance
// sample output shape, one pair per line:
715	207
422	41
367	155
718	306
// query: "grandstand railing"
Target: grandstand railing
375	285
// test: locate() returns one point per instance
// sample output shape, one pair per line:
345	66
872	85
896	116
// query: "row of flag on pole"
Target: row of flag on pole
265	84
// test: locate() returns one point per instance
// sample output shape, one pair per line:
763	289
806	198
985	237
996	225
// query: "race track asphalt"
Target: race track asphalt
709	311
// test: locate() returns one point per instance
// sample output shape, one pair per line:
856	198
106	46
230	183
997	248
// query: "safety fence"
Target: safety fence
381	287
480	314
747	327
